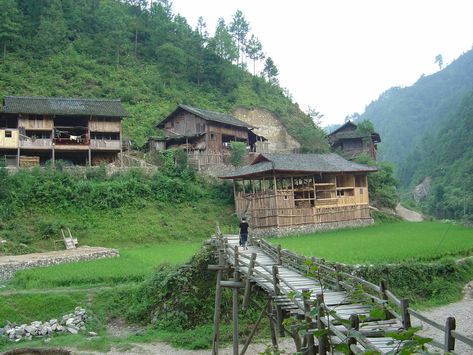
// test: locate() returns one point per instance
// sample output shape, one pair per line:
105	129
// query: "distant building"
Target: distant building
34	130
285	193
205	135
352	142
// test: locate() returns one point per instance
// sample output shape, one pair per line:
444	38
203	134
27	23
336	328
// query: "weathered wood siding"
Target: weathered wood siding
99	124
9	138
36	122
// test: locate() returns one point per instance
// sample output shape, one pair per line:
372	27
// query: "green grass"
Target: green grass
118	228
25	308
133	265
385	243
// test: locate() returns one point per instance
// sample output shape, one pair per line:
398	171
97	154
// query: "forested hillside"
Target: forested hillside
147	56
447	157
404	115
427	131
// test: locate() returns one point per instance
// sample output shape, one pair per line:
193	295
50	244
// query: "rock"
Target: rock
53	321
72	330
54	327
30	329
69	321
60	328
92	334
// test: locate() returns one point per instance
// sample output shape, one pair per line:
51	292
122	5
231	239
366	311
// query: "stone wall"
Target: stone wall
10	264
270	127
309	228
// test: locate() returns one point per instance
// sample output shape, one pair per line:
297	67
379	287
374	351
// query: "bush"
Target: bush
237	152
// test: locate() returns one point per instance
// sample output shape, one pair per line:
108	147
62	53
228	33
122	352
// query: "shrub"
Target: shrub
237	152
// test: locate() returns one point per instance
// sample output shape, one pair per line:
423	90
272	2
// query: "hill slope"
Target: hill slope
148	57
404	115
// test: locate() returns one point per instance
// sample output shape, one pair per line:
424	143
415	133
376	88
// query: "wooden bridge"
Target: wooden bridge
323	308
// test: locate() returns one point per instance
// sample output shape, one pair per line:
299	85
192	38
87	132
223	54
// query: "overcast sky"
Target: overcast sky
339	55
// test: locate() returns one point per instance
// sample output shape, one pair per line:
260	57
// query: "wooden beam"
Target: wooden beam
218	302
253	331
236	278
246	296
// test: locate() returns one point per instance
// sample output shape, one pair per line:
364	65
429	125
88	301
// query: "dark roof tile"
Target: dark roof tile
307	163
62	106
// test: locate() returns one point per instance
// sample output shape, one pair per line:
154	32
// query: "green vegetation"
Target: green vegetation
385	243
148	57
24	308
447	158
237	152
381	184
404	117
133	265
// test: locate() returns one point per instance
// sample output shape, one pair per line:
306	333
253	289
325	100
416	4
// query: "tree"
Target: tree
171	60
315	115
222	42
202	29
239	29
254	50
138	9
270	71
439	61
52	32
9	23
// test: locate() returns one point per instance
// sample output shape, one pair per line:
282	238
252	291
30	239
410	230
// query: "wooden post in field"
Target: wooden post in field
450	325
337	277
278	250
236	278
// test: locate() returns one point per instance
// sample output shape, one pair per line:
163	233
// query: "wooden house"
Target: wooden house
284	193
34	130
204	132
352	142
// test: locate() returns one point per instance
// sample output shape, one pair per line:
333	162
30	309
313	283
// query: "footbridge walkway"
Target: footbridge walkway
323	307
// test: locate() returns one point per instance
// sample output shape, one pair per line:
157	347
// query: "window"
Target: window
8	134
212	136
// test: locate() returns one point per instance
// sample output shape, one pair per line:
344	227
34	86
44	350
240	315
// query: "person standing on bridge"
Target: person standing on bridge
244	233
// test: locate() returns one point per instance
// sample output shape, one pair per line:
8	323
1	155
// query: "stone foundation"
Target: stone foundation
11	263
310	228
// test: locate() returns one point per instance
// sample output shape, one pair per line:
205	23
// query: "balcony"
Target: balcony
102	144
104	126
42	143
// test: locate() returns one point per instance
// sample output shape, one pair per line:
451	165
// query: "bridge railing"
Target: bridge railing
392	306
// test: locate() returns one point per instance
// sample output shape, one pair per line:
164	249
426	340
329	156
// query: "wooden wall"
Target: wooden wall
9	138
287	206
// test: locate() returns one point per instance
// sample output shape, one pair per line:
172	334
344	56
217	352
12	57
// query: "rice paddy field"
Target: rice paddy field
385	243
133	265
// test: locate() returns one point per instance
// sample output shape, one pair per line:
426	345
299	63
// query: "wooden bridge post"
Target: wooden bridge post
274	339
308	319
323	339
384	296
218	302
251	266
277	292
236	278
450	325
354	325
338	287
406	317
278	250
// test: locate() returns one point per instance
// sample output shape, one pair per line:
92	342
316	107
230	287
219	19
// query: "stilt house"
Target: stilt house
34	130
205	134
352	142
283	193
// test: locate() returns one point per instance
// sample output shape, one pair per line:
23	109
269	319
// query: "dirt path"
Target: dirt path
165	349
463	313
408	215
